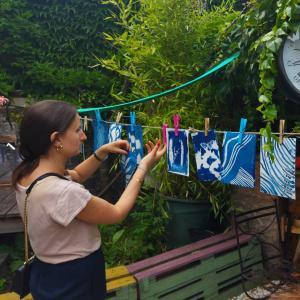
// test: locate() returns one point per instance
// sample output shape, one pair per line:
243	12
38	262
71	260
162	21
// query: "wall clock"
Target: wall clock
289	66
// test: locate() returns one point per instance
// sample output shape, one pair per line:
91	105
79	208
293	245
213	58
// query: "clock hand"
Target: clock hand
295	63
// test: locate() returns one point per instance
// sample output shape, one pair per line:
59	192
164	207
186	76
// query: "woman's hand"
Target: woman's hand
117	147
155	153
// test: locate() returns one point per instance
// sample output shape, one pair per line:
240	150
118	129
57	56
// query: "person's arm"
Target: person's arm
99	211
88	167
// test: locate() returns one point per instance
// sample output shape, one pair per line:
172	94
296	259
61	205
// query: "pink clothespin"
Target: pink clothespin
176	120
164	133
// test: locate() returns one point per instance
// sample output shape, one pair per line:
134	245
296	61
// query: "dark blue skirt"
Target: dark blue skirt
79	279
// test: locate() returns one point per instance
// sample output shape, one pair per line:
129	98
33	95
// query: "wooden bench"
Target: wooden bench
120	284
207	269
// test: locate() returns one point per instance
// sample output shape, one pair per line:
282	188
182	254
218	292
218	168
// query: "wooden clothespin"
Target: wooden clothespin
206	126
119	116
85	123
281	130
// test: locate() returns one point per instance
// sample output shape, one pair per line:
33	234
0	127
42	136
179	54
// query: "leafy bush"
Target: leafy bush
47	48
141	235
164	44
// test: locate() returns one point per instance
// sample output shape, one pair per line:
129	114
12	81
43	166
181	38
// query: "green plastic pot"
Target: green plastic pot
189	219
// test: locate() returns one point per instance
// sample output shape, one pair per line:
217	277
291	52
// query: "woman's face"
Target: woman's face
73	138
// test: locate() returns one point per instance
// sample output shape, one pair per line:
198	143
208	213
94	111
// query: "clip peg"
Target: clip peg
281	131
206	126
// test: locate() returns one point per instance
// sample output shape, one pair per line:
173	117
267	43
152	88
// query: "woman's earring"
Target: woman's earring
59	147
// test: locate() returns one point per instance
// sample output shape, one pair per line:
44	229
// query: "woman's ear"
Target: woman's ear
54	137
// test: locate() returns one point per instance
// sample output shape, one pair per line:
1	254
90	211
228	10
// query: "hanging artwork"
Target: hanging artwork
129	162
114	133
278	178
238	159
100	130
207	156
178	151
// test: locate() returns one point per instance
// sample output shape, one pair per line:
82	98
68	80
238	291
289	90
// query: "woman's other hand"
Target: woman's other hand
117	147
155	153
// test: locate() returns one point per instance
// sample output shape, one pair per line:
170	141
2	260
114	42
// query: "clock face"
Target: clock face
291	61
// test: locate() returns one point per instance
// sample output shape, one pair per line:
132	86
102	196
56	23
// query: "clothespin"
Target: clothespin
118	118
243	124
281	130
132	120
164	133
98	115
176	121
206	126
85	123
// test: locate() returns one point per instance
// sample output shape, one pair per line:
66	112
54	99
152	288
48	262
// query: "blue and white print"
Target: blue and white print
100	129
129	162
207	156
178	151
115	132
238	159
278	178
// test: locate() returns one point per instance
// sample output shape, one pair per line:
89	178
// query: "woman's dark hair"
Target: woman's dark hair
39	122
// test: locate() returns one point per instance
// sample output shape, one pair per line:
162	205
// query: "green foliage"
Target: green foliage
258	35
296	127
2	284
287	21
16	258
141	235
164	44
47	48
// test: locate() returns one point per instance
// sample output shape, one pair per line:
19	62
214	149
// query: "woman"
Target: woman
62	214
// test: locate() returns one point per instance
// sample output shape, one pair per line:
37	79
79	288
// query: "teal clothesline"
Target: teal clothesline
164	93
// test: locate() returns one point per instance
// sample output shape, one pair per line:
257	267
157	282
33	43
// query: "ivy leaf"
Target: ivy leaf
268	82
274	44
288	11
265	65
280	31
263	99
270	112
268	36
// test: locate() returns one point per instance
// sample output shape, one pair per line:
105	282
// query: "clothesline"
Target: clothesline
198	130
220	65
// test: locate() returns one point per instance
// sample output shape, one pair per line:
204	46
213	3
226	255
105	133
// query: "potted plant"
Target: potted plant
192	204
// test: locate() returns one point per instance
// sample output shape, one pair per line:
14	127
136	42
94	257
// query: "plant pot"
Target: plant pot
189	220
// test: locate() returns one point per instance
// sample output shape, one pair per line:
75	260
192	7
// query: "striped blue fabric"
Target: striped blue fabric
238	159
278	178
